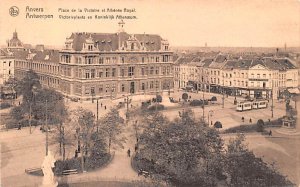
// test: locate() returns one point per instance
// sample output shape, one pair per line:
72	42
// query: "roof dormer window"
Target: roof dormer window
90	47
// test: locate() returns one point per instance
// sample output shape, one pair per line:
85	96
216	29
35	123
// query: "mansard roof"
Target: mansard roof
48	55
111	41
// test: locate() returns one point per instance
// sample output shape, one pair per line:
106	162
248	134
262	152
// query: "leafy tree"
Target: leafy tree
218	125
111	127
26	86
180	151
244	169
185	96
260	125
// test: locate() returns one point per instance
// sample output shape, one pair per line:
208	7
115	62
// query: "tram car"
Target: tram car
249	105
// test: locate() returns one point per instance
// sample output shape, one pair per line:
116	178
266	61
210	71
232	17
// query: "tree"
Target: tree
245	169
26	85
180	151
260	125
111	127
218	125
185	96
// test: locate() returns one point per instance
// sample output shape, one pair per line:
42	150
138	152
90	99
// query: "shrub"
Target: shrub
260	125
72	163
241	129
185	96
158	107
94	162
196	102
213	98
4	105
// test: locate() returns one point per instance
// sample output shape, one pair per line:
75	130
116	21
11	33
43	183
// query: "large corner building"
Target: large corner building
98	65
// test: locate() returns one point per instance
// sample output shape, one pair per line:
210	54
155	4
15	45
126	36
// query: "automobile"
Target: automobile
74	99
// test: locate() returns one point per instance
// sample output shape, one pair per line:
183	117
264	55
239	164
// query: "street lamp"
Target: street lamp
210	114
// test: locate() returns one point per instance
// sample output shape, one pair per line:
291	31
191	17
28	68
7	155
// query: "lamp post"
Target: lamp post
47	128
210	114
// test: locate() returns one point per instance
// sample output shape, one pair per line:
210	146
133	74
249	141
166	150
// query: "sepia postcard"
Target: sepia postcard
140	93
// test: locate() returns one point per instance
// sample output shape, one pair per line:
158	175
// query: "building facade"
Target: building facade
254	77
6	66
96	65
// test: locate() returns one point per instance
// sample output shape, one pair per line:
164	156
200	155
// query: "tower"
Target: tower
121	26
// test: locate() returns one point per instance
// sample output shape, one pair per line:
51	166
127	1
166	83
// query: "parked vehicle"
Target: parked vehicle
249	105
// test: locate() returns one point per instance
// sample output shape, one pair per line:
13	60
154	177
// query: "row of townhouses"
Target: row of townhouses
256	77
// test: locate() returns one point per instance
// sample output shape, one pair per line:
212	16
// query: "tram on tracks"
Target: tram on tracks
250	105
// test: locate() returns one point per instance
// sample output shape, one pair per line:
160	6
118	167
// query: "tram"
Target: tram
249	105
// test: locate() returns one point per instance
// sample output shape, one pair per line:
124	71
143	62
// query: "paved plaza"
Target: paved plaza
21	150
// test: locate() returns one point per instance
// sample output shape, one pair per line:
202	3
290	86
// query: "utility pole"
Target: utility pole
97	114
47	129
223	98
30	117
272	107
203	104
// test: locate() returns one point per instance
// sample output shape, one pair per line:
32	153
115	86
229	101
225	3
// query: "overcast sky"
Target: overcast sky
230	23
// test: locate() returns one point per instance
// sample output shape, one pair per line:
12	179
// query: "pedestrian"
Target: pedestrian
136	147
128	152
270	133
19	126
105	107
19	103
243	119
250	120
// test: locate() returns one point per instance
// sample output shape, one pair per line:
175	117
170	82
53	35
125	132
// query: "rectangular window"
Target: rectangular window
264	75
151	70
113	72
107	60
168	70
114	60
152	59
87	90
100	88
157	59
163	70
79	73
122	73
107	72
156	70
142	71
151	85
87	74
107	88
92	73
100	73
123	60
143	59
258	75
130	71
101	60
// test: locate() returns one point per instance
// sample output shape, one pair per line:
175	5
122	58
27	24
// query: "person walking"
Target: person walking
250	120
128	153
270	133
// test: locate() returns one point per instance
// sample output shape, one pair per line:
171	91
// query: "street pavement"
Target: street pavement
280	149
21	150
